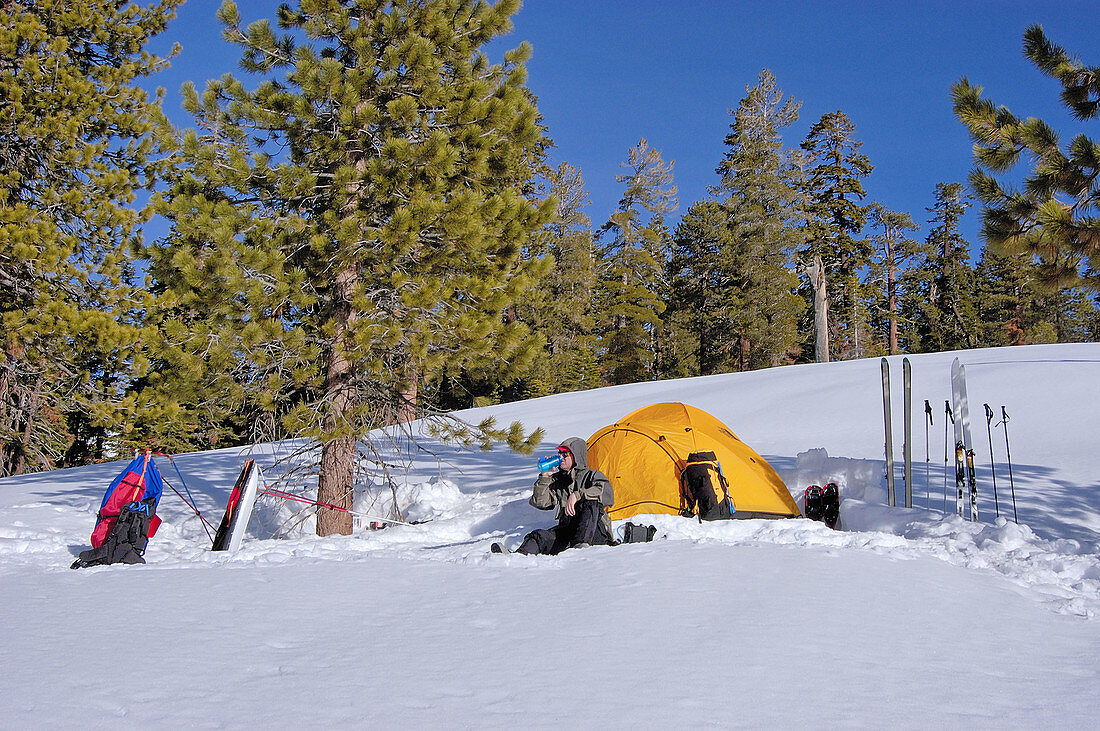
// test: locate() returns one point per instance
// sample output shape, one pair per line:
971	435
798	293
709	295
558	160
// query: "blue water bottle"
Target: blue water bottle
549	462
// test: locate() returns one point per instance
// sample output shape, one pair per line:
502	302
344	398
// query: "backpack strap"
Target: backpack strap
687	503
724	482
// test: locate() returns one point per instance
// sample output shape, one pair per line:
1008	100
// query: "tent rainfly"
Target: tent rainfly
644	453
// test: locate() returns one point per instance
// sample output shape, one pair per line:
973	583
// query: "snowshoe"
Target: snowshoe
814	507
830	504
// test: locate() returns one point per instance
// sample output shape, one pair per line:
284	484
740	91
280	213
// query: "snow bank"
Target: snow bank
1064	573
861	479
435	499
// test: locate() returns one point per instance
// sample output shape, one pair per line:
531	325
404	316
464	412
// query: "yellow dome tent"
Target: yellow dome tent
644	452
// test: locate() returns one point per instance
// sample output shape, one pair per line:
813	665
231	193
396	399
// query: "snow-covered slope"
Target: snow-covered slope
905	618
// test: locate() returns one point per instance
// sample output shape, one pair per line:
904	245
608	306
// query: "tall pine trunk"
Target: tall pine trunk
891	291
816	272
336	481
892	306
703	350
406	409
857	351
337	477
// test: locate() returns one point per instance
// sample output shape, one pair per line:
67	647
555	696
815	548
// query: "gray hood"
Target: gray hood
579	448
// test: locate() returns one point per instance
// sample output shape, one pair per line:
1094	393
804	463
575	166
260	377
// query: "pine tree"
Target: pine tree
758	194
562	308
698	279
732	304
755	160
631	266
358	218
75	148
1017	307
1053	215
893	251
832	255
940	301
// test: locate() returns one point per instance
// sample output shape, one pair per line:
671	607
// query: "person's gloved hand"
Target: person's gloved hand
571	504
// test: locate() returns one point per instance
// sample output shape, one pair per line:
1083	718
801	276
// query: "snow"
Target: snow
903	618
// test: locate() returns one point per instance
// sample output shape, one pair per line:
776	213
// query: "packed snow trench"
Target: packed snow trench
901	618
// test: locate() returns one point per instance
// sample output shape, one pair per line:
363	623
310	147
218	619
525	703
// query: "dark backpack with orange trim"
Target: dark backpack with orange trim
703	488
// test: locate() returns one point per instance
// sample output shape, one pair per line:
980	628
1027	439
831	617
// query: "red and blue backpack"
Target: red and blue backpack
141	483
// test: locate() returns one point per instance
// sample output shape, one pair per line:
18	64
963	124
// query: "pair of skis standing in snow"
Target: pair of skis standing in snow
965	480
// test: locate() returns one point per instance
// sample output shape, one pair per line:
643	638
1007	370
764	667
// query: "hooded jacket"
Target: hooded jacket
552	489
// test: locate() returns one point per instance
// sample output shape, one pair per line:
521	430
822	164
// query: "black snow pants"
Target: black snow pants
583	527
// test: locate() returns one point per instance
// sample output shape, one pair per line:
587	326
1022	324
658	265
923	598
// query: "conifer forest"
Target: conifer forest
367	226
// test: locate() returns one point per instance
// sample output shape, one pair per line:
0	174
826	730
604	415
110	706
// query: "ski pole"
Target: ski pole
907	411
888	422
992	461
1008	450
927	458
206	524
195	510
948	416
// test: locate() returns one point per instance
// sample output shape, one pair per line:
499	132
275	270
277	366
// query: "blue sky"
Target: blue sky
608	72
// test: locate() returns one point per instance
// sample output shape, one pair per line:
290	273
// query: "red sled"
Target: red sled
234	523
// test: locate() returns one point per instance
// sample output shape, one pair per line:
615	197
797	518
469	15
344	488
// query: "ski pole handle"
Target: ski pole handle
549	462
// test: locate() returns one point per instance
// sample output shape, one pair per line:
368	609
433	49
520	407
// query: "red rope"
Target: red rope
299	498
289	496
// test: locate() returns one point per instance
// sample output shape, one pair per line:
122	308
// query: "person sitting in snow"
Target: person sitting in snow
581	496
